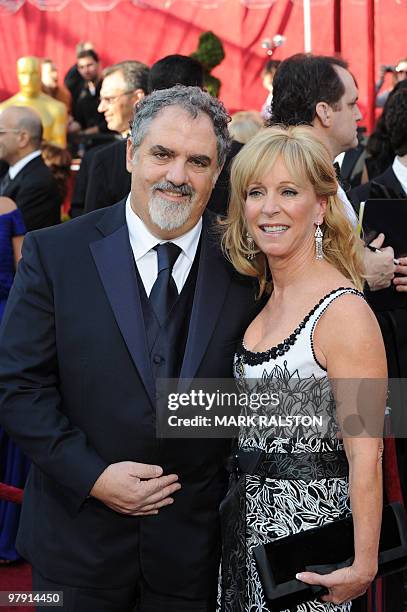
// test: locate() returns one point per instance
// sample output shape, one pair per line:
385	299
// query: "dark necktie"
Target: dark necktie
164	292
6	180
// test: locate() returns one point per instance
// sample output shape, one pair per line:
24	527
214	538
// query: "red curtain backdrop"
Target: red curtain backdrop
131	32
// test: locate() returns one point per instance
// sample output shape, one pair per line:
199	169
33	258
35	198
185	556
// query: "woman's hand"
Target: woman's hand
343	584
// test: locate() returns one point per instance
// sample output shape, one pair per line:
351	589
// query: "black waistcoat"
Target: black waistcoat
166	348
166	344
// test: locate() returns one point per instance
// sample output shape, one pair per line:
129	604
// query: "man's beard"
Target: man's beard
168	215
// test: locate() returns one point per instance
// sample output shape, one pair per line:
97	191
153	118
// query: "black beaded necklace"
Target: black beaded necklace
258	357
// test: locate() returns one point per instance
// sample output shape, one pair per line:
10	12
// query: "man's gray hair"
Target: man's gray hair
192	100
135	74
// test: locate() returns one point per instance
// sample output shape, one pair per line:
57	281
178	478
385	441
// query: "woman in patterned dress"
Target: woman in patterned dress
315	327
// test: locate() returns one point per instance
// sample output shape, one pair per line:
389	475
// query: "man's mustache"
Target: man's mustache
184	189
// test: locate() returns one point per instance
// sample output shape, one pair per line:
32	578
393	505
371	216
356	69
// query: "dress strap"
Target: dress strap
323	304
321	308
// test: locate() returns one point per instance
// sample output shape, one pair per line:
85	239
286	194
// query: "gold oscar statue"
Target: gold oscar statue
52	112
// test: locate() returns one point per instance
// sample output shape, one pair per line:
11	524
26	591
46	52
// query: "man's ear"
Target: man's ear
136	96
129	155
324	113
23	138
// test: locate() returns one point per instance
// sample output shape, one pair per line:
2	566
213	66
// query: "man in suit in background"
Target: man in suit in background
85	100
124	84
321	92
73	81
27	181
111	302
392	183
109	180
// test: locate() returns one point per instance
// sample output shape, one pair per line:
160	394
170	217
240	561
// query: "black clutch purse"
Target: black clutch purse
324	550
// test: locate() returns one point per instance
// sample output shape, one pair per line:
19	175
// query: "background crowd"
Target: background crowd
63	152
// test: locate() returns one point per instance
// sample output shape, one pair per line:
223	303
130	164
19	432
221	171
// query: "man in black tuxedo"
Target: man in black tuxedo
98	312
27	180
85	100
109	180
385	186
392	183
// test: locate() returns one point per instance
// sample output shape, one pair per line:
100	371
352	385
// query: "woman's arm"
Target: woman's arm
348	340
7	205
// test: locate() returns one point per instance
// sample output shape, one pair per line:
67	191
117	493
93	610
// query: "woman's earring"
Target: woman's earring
319	254
251	247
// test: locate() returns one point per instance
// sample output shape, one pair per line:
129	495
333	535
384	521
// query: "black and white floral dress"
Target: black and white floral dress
261	509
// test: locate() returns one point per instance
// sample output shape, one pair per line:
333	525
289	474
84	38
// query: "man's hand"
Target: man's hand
400	282
379	266
137	489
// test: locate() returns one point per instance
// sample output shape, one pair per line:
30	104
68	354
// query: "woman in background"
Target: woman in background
13	464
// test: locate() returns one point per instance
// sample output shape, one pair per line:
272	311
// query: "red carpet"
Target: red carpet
16	576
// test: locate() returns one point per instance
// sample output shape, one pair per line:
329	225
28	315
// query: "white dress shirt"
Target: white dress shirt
339	159
17	167
349	210
142	242
400	170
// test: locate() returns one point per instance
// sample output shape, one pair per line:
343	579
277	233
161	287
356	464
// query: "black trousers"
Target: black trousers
135	598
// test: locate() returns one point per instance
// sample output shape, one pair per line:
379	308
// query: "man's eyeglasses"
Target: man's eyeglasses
6	131
113	99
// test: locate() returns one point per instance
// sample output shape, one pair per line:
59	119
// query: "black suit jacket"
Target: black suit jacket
77	394
384	186
389	305
109	180
352	166
85	107
36	194
81	182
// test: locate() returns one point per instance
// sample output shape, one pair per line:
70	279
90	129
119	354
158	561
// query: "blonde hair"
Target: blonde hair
308	161
244	125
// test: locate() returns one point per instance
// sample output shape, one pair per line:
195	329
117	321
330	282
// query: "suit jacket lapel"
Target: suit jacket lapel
211	288
394	183
31	167
350	158
386	186
115	264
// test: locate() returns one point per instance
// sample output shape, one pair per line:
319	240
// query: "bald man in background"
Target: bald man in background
27	181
